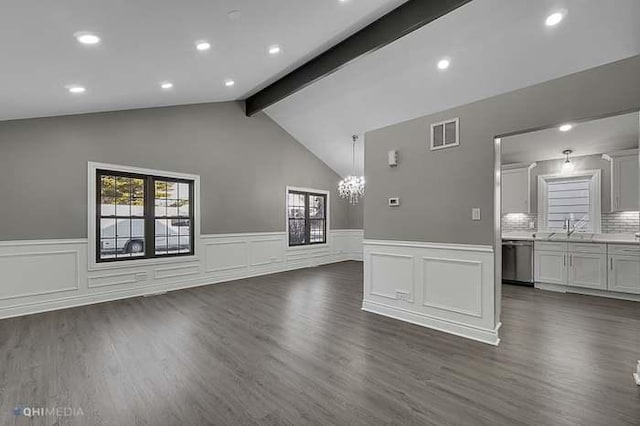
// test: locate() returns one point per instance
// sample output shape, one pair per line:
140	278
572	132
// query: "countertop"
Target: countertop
577	238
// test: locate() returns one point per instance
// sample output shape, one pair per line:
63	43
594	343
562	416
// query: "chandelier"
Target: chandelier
352	187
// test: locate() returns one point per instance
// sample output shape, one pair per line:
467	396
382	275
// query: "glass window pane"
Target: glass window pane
161	227
123	228
137	188
137	227
161	245
172	208
107	228
123	190
316	231
172	189
183	208
183	191
161	189
107	248
123	210
107	186
316	207
296	231
137	207
161	208
172	244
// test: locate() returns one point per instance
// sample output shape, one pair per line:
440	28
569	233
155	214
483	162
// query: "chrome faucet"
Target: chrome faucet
576	226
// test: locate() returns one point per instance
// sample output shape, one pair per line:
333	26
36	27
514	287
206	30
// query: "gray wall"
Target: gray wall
438	189
244	164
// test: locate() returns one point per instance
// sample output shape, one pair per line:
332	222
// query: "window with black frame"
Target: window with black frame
143	216
307	216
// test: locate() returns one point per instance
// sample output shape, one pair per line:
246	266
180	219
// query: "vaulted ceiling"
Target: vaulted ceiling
147	42
495	46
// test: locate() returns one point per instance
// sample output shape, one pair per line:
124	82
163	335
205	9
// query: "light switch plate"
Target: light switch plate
475	213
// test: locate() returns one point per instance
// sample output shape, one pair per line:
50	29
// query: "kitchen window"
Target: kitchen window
570	203
141	214
306	217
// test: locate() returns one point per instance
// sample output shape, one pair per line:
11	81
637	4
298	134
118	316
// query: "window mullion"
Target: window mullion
149	217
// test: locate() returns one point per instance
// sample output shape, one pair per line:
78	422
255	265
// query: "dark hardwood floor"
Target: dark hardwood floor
295	348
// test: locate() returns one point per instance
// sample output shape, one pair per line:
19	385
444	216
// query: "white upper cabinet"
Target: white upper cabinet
515	190
624	181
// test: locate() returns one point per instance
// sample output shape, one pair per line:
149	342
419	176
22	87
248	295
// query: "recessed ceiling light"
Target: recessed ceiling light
76	89
86	37
565	127
274	50
166	85
443	64
555	18
228	82
203	45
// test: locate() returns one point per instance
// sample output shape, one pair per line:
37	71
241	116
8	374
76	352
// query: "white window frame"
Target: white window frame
328	219
444	146
91	216
595	197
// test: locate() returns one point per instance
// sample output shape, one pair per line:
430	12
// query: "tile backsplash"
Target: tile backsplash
620	222
612	223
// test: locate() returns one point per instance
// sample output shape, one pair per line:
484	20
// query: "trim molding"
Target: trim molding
448	326
439	246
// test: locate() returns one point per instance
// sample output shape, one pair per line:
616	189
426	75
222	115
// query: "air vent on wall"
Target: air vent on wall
445	134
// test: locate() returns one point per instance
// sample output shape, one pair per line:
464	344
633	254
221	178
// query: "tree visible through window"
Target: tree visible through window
307	216
141	216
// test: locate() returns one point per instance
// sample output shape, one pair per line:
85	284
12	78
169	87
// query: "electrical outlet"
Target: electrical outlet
475	213
402	295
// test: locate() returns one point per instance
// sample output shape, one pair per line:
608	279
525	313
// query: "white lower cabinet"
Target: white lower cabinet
588	270
550	267
573	264
624	268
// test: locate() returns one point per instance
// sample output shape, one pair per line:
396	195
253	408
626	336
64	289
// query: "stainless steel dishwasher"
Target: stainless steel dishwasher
517	262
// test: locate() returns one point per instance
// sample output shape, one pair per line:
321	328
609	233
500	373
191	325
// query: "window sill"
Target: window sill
307	247
95	266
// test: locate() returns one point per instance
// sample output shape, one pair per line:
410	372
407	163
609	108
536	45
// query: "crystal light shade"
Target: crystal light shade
352	187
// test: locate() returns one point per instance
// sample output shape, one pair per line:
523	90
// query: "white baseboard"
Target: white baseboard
448	287
588	291
40	276
481	335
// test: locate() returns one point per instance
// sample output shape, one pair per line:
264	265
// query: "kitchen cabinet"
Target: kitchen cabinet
587	270
624	269
573	264
550	262
550	267
624	182
515	190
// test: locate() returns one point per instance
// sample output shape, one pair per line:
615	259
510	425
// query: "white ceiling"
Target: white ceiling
145	42
588	138
495	46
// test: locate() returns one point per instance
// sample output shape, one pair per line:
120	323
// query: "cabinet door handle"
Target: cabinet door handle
564	260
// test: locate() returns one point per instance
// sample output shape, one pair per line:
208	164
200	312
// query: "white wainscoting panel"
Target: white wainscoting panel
449	287
43	275
390	273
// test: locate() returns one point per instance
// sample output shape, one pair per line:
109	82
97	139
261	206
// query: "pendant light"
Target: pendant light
352	187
